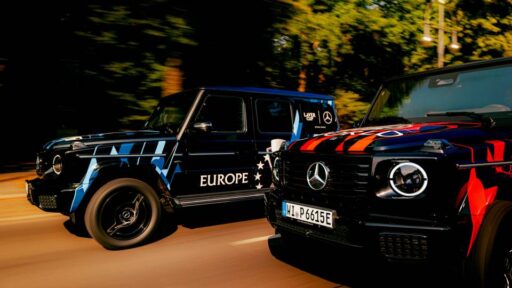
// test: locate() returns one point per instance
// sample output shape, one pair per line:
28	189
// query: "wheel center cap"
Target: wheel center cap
508	269
127	214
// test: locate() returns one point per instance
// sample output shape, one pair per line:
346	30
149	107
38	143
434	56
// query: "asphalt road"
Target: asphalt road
223	246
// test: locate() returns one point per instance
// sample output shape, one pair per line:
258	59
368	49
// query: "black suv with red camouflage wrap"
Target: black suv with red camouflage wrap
426	176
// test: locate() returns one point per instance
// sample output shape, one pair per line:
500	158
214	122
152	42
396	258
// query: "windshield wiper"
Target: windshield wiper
486	120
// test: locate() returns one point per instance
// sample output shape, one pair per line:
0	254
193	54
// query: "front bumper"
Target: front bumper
50	195
385	239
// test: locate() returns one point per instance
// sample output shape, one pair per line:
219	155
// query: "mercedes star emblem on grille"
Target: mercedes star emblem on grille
317	175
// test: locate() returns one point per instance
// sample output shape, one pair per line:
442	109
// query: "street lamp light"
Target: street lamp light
455	45
427	39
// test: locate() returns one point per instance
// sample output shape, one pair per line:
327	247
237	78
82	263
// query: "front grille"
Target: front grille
403	246
347	185
48	201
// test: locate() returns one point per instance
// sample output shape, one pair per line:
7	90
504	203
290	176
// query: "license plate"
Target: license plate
308	214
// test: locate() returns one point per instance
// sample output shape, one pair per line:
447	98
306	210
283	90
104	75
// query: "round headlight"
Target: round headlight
276	169
408	179
57	164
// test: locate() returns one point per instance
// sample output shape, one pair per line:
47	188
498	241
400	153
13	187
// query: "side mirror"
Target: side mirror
277	145
203	126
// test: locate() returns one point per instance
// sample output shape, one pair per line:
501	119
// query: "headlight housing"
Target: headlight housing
57	164
408	179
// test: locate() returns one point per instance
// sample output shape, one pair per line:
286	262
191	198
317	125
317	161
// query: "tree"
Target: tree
487	28
310	44
129	51
347	45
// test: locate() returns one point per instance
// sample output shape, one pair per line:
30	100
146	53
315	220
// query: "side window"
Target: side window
226	113
274	116
317	117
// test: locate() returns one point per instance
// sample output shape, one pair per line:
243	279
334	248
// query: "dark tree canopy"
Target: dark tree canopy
90	66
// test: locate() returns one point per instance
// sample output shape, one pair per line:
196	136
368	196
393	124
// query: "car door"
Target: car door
219	159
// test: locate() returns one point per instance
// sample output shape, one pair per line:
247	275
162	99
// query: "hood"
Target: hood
102	138
393	137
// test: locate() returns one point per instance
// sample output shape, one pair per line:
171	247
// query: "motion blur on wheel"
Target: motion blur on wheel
123	213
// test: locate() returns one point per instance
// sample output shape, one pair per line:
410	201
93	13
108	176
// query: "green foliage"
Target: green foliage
349	47
128	47
345	48
487	28
350	107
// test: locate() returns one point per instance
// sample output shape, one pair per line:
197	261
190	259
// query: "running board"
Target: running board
218	198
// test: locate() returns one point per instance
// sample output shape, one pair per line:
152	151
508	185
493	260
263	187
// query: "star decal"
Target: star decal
259	186
257	176
260	165
266	157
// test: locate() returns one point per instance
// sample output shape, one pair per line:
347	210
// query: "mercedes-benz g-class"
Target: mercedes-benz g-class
426	176
199	147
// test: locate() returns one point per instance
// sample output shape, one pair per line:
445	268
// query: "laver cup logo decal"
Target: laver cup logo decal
310	116
317	175
223	179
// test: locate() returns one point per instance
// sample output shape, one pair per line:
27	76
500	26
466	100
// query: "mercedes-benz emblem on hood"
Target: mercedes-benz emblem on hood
317	175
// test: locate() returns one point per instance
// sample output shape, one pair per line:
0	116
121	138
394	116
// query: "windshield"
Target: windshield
170	113
442	97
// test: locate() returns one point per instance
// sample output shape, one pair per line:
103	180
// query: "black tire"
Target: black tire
492	251
123	213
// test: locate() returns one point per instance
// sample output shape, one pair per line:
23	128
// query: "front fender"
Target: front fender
100	173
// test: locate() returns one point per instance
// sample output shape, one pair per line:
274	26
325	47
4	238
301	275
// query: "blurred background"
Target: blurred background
85	66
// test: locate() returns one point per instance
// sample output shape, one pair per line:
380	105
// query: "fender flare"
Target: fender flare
99	175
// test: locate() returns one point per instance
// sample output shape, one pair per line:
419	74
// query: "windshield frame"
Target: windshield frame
196	95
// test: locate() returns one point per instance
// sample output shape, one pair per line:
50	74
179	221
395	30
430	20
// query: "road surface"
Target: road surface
224	246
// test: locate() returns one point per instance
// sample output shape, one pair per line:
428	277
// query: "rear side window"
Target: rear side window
226	113
274	116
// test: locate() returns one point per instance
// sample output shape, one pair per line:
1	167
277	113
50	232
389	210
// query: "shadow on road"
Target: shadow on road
195	217
167	227
356	269
75	229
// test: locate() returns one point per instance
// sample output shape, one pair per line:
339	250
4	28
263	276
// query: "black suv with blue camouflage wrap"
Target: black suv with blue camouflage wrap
199	147
425	177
